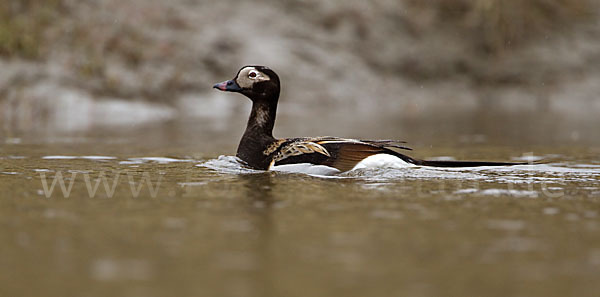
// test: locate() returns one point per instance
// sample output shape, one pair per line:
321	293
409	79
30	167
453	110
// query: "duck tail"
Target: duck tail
446	163
455	163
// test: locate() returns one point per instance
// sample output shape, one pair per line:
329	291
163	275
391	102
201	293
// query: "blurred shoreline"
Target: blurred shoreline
113	65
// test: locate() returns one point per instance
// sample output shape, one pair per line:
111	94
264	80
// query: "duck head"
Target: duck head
256	82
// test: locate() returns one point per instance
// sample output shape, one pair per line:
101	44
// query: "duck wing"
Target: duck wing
340	153
343	154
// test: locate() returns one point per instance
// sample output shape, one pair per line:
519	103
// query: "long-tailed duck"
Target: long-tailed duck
260	150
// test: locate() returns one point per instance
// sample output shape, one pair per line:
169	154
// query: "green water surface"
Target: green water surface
204	232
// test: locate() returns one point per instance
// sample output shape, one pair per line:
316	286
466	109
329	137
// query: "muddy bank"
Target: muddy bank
110	63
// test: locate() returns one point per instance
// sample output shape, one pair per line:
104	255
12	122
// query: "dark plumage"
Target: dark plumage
260	150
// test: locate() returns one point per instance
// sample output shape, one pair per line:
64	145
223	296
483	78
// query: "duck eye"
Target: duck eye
252	74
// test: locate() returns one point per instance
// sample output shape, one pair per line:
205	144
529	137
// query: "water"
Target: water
170	221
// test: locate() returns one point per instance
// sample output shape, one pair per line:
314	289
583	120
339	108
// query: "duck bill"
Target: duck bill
228	86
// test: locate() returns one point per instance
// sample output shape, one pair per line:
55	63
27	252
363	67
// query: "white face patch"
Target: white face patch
248	76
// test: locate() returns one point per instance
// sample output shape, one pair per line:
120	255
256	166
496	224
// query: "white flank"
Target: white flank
306	168
382	161
375	161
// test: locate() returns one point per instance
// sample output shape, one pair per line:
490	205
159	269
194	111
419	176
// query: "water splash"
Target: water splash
517	174
228	164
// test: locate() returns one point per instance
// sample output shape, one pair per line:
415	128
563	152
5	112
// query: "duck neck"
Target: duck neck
259	131
258	135
262	119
